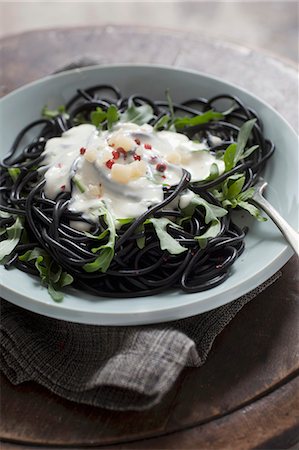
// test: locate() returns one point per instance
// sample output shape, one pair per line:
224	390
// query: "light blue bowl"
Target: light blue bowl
266	250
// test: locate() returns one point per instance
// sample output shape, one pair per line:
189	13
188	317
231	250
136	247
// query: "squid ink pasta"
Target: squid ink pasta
127	196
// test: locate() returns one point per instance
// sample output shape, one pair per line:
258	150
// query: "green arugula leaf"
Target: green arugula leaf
229	203
212	211
42	263
243	137
226	184
50	273
33	254
13	235
167	242
214	173
164	120
112	116
212	231
14	172
229	157
182	122
55	276
235	188
103	261
99	236
122	222
243	196
52	113
230	194
4	215
98	116
65	279
79	119
236	151
170	105
57	296
79	185
248	152
137	114
212	215
255	212
140	241
231	109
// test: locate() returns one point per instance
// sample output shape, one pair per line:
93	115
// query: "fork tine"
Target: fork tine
260	185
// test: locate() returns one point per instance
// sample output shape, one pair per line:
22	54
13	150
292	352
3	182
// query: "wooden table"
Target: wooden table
247	394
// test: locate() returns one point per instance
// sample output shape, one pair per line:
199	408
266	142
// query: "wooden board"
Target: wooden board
246	395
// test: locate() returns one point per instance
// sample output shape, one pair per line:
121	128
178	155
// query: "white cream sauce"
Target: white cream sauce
126	167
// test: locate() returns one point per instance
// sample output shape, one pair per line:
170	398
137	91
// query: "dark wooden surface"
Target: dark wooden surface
247	394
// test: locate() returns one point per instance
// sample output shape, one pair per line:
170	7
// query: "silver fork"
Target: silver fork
291	235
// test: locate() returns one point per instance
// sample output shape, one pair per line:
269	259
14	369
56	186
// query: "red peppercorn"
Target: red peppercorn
109	163
115	154
122	151
82	150
137	141
148	146
161	167
137	157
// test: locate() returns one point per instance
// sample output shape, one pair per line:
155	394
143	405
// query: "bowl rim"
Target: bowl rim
94	67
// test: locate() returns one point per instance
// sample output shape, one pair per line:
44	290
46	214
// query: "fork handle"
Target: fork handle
291	235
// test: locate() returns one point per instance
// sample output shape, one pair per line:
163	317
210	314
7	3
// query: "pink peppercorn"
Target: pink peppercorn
115	154
161	167
109	163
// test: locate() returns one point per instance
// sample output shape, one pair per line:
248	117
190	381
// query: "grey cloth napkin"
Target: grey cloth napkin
119	368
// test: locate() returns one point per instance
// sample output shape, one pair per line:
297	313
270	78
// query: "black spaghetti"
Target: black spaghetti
42	241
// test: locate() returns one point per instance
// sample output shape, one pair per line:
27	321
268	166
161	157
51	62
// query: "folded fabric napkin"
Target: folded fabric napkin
120	368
